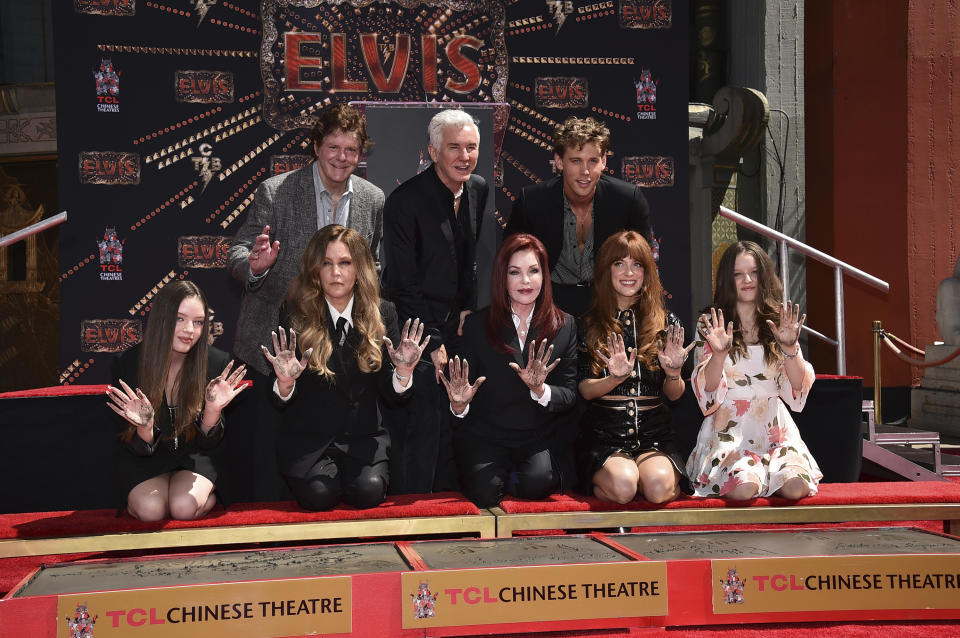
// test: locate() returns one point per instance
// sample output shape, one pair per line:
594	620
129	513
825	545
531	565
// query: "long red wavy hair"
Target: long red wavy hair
547	318
648	308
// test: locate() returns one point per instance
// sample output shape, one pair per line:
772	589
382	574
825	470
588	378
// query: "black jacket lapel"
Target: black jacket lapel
554	222
512	339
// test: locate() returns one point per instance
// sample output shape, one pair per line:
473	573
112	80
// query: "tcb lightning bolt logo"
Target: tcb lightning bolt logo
559	9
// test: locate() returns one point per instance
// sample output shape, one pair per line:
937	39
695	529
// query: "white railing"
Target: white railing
839	269
33	229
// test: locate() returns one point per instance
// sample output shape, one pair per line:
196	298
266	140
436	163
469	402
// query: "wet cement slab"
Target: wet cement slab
217	567
510	552
341	560
857	542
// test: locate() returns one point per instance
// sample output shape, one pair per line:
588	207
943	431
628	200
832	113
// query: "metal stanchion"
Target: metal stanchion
877	330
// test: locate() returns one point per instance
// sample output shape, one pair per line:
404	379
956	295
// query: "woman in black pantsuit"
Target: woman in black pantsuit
170	393
505	438
332	446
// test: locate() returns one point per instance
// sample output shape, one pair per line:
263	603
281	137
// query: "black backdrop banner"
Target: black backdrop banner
171	112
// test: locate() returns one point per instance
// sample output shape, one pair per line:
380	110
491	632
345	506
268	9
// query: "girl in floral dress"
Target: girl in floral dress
748	444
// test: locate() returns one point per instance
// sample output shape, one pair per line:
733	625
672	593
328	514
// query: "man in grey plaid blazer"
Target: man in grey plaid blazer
287	210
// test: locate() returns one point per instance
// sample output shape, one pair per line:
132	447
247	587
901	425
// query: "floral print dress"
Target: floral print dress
748	435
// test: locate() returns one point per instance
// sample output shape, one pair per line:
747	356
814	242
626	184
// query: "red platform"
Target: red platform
467	587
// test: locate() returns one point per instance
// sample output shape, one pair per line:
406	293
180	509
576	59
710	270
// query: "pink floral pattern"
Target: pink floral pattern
748	434
730	484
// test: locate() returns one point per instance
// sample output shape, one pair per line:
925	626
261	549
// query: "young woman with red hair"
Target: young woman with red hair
523	350
631	353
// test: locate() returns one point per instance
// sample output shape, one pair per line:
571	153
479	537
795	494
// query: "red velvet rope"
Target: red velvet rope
915	362
904	343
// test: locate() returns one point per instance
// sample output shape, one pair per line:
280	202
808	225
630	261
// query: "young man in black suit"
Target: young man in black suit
430	227
574	212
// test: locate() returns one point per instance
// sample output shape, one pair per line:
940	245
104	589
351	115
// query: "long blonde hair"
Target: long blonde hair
309	314
648	309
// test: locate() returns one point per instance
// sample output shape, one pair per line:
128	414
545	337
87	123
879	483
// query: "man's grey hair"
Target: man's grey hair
448	118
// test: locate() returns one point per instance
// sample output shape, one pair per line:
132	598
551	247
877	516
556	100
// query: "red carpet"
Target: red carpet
79	523
830	494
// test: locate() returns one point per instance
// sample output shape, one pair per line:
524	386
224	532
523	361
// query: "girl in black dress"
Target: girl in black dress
631	352
172	408
332	446
508	428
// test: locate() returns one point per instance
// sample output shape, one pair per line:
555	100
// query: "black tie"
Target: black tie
341	334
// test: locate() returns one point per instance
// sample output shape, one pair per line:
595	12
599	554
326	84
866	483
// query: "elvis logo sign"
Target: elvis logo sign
106	7
560	92
335	54
649	171
283	163
646	14
109	335
204	87
114	168
203	251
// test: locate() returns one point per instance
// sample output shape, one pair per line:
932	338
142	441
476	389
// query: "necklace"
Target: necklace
457	197
172	409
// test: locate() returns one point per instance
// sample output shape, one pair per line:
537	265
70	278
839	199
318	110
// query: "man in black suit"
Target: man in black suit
430	227
574	212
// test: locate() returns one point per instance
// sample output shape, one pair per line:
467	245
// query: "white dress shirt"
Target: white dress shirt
543	400
347	314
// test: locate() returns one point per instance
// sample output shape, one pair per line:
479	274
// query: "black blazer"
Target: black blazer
342	413
617	205
421	275
137	461
503	410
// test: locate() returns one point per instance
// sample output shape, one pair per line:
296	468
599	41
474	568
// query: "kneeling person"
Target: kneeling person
510	425
332	446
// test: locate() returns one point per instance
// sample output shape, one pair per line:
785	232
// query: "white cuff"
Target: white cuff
462	414
398	385
276	390
545	399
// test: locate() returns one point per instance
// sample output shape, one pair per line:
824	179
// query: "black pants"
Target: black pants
488	469
250	444
421	433
337	477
